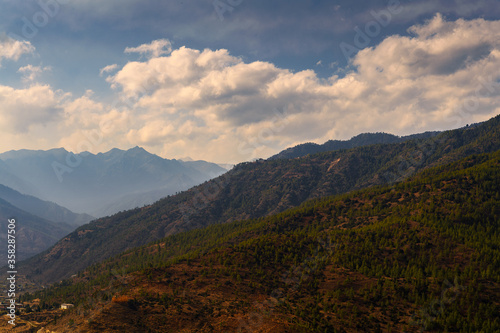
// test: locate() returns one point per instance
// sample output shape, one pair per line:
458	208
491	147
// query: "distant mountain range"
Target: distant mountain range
100	184
360	140
259	189
44	209
103	183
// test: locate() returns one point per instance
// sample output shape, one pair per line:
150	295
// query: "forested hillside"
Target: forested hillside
258	189
421	255
360	140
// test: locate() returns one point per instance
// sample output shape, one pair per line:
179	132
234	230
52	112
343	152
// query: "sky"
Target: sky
233	80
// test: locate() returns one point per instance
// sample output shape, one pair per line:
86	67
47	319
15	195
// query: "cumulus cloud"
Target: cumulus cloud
21	109
424	81
30	72
13	49
153	50
212	105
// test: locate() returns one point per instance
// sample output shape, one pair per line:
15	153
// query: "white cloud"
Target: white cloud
108	69
12	49
405	84
30	72
153	50
211	105
22	109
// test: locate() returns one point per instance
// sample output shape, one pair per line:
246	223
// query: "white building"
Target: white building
66	306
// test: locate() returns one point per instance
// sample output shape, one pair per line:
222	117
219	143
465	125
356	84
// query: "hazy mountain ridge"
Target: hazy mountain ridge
33	233
258	189
40	223
44	209
373	260
95	183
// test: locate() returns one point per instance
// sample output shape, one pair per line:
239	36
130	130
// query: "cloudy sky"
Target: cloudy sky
232	80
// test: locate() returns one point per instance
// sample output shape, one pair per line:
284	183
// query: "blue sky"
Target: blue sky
232	80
